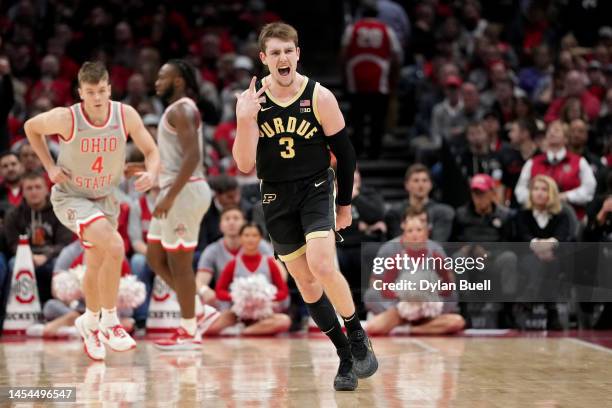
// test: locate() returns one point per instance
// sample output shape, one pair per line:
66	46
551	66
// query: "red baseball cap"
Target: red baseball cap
453	80
482	182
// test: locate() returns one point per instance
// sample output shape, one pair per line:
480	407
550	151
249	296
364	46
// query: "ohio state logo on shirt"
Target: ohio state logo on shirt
24	287
161	291
180	230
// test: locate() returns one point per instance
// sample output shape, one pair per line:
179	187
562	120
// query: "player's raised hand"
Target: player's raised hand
247	103
144	182
58	175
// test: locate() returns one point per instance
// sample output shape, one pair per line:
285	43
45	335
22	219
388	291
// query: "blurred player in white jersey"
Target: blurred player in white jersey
183	200
90	165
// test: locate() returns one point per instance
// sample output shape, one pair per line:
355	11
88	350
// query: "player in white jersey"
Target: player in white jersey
183	200
93	135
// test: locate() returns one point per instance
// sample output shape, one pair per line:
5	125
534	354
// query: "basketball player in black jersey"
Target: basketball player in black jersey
287	124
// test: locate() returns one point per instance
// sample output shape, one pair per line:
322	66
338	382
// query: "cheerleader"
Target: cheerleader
254	284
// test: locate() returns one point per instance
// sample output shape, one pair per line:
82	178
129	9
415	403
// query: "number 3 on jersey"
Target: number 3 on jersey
97	165
287	141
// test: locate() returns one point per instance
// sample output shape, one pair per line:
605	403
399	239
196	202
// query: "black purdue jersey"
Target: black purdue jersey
292	145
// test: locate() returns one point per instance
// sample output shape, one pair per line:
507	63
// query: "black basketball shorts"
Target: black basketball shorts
298	211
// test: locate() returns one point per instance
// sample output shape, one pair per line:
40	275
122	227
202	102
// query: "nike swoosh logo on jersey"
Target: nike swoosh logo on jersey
319	183
265	109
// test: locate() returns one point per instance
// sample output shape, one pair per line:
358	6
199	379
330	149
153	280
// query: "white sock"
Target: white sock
109	317
199	308
92	319
189	325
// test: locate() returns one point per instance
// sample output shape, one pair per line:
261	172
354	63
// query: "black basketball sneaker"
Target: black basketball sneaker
346	379
365	363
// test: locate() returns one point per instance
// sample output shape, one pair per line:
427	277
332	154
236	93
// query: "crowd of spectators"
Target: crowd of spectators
506	107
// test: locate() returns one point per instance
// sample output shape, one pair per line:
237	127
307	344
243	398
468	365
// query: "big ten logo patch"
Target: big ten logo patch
161	291
305	106
268	198
24	287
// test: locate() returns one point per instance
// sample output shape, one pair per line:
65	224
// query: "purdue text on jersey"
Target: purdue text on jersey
292	145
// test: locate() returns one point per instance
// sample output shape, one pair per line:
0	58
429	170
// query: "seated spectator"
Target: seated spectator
367	225
578	142
137	93
491	122
252	261
242	72
479	157
57	89
597	79
542	219
447	122
513	156
227	194
461	166
473	110
29	159
218	254
543	224
385	304
35	218
483	221
531	78
604	124
31	162
572	173
599	216
418	185
599	257
504	104
573	110
575	86
11	171
524	108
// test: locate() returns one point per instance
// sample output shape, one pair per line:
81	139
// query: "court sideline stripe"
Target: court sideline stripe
590	345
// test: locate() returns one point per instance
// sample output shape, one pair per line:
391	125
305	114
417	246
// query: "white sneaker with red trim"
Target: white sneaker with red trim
91	340
117	338
180	341
208	316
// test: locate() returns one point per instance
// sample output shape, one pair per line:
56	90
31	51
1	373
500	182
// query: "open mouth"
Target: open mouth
284	71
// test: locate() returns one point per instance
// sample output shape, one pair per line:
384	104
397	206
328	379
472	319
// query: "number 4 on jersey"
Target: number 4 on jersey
97	165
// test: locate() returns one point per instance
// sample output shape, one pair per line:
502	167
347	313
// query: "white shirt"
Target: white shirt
541	217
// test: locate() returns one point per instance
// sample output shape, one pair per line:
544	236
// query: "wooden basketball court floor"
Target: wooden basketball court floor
298	372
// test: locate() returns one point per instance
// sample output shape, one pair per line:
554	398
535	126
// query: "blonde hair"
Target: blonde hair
92	73
282	31
554	203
